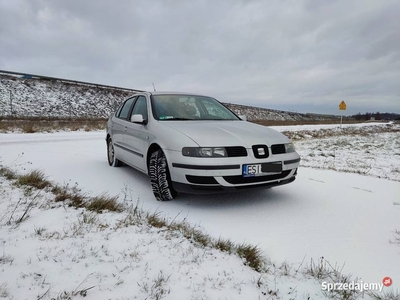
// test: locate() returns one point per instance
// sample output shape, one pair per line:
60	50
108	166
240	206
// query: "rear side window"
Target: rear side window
125	109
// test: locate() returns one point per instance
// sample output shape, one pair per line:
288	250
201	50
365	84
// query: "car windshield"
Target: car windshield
171	107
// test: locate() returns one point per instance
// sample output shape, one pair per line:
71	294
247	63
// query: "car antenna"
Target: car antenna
154	86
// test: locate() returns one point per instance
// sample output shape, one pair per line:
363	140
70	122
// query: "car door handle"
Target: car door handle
125	128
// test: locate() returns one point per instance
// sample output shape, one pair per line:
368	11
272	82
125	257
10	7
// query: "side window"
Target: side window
125	109
140	107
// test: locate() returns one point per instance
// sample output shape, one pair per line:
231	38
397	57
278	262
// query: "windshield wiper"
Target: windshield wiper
176	119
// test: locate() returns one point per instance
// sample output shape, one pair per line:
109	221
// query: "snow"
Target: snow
347	218
366	149
56	253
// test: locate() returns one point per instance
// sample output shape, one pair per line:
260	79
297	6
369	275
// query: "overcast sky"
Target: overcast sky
304	56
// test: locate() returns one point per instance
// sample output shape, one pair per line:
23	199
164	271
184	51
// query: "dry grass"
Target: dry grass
224	245
66	193
35	178
36	124
104	202
252	255
154	219
303	122
191	233
7	173
75	199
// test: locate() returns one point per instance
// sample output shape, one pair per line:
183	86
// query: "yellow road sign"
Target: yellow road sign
342	106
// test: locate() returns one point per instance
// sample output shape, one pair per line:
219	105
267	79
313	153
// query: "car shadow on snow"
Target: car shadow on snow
265	197
136	177
258	197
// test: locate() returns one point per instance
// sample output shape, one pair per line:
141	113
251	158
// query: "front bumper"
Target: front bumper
214	189
214	175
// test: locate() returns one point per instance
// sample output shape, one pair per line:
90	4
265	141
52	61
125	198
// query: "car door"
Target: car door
119	127
136	137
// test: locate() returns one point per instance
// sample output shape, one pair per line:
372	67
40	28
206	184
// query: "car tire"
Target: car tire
160	177
112	161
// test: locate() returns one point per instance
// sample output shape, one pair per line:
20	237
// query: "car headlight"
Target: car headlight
289	148
204	151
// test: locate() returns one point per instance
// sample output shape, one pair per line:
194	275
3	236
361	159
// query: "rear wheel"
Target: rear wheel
112	161
160	177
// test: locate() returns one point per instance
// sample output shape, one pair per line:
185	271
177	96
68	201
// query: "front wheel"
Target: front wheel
112	161
160	177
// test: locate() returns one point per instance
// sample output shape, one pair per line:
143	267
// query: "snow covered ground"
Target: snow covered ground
347	218
368	149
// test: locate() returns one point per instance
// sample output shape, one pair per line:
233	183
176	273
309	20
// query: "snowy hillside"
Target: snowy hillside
39	98
47	98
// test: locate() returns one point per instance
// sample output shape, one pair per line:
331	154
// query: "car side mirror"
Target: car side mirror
138	119
243	117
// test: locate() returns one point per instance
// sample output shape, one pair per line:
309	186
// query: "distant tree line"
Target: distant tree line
376	116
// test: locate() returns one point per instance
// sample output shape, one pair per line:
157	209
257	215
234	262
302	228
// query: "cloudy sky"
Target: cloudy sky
304	56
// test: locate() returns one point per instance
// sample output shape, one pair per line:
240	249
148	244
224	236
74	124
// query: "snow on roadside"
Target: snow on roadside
60	251
374	150
56	252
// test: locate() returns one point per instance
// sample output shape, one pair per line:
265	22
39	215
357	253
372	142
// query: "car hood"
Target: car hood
227	133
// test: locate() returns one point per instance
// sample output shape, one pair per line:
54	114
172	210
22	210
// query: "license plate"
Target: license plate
262	169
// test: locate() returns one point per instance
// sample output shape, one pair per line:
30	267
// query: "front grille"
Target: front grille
256	151
239	179
236	151
201	179
278	149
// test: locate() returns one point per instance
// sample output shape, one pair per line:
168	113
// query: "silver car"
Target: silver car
193	144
